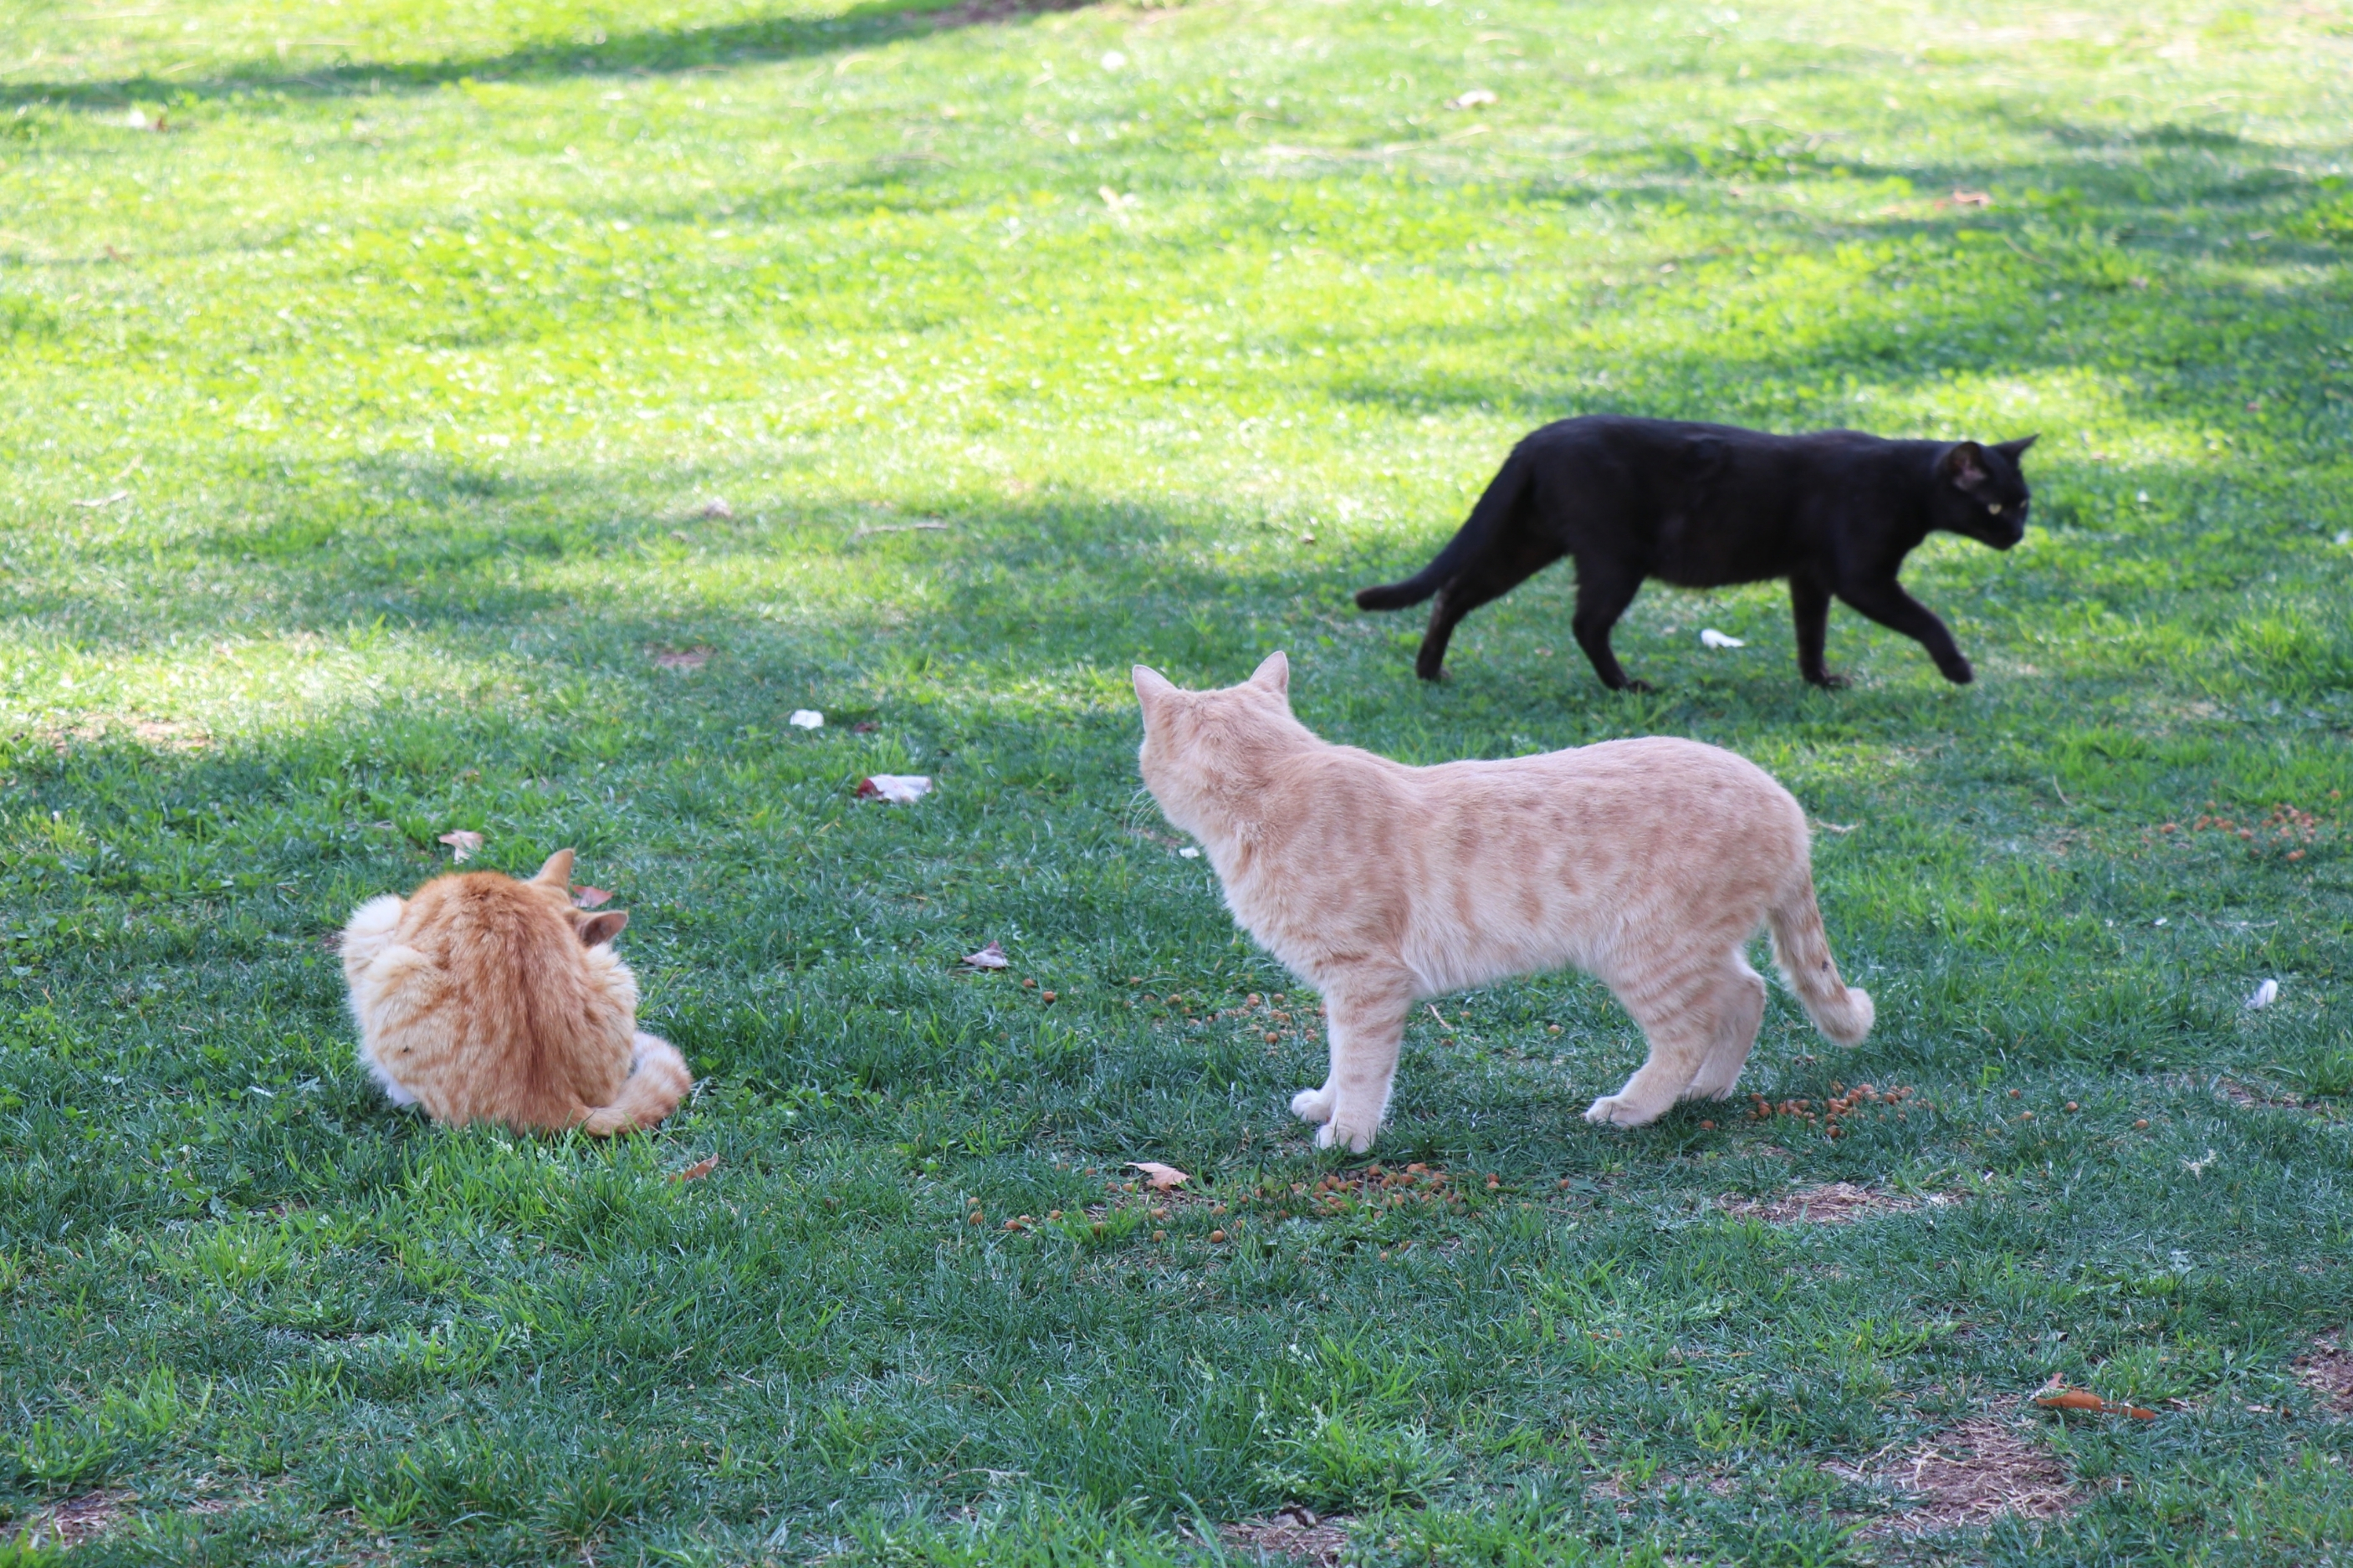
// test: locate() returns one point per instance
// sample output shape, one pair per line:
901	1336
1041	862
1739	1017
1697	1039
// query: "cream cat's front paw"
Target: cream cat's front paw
1618	1109
1313	1105
1333	1135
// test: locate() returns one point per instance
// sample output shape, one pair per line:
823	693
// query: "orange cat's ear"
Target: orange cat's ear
1273	674
1151	686
557	872
602	927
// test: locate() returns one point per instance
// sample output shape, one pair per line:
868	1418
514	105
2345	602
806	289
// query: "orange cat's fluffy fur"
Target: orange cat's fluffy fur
483	999
1649	864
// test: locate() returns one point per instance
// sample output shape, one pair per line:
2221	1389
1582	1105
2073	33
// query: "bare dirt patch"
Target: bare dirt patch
2328	1369
687	658
170	735
1295	1532
80	1519
1838	1203
1967	1475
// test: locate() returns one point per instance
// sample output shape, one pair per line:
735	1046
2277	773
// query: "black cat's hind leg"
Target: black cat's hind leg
1809	602
1887	603
1603	592
1501	569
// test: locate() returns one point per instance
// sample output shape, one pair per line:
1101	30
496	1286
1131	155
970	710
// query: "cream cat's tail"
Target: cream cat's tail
1802	949
658	1080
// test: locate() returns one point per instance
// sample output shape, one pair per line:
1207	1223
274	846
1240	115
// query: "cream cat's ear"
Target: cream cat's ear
558	870
1151	686
1273	674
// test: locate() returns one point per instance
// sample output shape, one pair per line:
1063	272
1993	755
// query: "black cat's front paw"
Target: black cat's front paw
1638	687
1829	680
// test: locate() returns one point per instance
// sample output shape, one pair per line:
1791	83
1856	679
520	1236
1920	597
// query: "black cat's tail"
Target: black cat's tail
1502	500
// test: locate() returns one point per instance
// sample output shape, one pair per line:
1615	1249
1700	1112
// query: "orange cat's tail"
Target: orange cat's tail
1802	949
658	1080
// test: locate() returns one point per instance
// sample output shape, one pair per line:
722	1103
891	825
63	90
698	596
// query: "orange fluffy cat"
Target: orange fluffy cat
1648	864
483	999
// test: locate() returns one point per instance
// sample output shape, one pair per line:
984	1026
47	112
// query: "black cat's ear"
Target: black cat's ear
2016	449
602	927
1273	674
1964	464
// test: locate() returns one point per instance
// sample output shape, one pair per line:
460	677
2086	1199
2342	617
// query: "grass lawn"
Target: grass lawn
426	415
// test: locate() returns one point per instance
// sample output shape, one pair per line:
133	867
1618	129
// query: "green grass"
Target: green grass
362	425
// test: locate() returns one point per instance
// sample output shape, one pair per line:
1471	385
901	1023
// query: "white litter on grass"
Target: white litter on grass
897	789
990	957
2265	996
1188	853
1710	637
806	719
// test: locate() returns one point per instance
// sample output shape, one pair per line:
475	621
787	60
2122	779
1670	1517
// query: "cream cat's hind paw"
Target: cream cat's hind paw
1313	1105
1617	1108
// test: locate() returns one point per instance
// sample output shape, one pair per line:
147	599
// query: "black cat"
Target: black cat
1701	506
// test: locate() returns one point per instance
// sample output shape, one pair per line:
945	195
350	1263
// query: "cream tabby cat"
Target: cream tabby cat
1649	864
483	999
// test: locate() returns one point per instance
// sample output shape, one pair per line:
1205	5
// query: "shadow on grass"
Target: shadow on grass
2118	248
652	52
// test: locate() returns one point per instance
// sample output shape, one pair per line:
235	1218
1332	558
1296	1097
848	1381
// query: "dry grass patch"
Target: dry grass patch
80	1519
1972	1474
1837	1202
2328	1369
1295	1533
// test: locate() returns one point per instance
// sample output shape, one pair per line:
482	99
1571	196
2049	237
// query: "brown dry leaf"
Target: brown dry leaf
2066	1398
699	1170
1164	1178
990	957
463	843
590	898
693	658
1970	199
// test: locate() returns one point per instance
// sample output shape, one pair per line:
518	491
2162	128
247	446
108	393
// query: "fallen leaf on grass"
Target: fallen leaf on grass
990	957
697	1171
1164	1178
2265	996
1710	637
806	719
716	511
463	842
590	898
681	658
1970	199
1472	99
2066	1398
899	789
